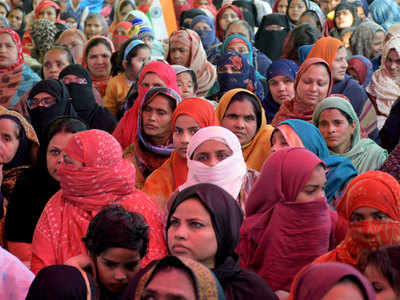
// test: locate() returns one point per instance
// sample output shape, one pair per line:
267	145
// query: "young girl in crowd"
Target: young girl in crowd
16	17
54	60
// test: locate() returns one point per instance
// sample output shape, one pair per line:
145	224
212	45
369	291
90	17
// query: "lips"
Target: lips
179	249
149	127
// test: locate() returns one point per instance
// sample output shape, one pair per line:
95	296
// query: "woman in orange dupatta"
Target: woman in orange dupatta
190	115
313	83
255	137
93	175
371	206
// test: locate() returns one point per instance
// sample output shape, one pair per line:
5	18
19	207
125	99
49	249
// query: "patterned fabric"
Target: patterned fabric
385	12
219	30
392	164
43	34
206	73
208	37
374	189
362	37
105	178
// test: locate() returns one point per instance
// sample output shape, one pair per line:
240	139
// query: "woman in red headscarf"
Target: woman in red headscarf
225	15
93	175
190	115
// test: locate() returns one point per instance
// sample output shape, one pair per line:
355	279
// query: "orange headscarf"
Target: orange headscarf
258	149
45	4
374	189
326	48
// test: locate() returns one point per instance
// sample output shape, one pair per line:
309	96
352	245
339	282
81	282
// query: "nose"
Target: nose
239	123
213	160
180	232
313	86
186	138
281	86
119	274
331	128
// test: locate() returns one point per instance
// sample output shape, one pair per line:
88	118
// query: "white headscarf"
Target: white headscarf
227	174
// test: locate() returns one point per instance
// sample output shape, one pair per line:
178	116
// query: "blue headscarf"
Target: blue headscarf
303	52
208	37
385	12
249	55
246	79
340	169
283	67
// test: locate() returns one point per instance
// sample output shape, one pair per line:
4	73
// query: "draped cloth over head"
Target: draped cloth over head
258	149
45	4
206	73
326	48
385	12
362	37
208	38
104	178
228	174
274	218
365	154
362	67
126	130
173	173
315	281
295	108
373	189
219	30
340	169
226	218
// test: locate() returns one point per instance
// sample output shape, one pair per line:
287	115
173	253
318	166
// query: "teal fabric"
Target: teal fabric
28	80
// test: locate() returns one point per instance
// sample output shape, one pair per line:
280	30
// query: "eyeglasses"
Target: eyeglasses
74	80
45	102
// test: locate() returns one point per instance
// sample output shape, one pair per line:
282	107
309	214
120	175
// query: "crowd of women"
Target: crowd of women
253	154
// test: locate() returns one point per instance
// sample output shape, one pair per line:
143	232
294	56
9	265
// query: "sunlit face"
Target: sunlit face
392	63
186	85
313	85
339	65
295	9
238	47
228	16
344	291
54	154
366	213
160	286
93	27
377	44
15	18
116	266
282	6
53	63
278	141
211	152
156	118
344	19
8	51
49	13
241	119
191	233
281	88
9	141
99	61
142	57
179	54
185	128
382	287
74	43
314	187
336	130
238	29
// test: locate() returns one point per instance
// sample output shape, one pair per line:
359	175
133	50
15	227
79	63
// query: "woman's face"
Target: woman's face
366	213
295	9
278	141
127	9
377	44
228	16
392	63
201	26
179	54
93	27
185	128
8	51
382	287
151	80
99	61
328	5
339	64
74	43
191	233
238	47
313	85
310	20
116	266
9	141
156	118
241	119
344	291
281	88
16	18
54	154
336	130
314	187
211	152
282	6
238	29
344	19
53	63
186	85
3	11
142	57
49	13
160	286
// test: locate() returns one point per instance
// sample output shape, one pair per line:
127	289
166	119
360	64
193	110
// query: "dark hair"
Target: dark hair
243	96
100	18
387	261
115	227
315	16
65	125
194	78
95	42
125	3
23	24
70	58
287	9
345	5
354	280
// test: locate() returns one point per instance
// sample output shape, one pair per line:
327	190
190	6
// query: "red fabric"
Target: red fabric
179	8
219	31
45	4
210	7
275	6
374	189
105	178
294	109
126	130
359	67
279	235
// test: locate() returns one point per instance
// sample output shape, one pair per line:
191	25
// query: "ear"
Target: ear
124	64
